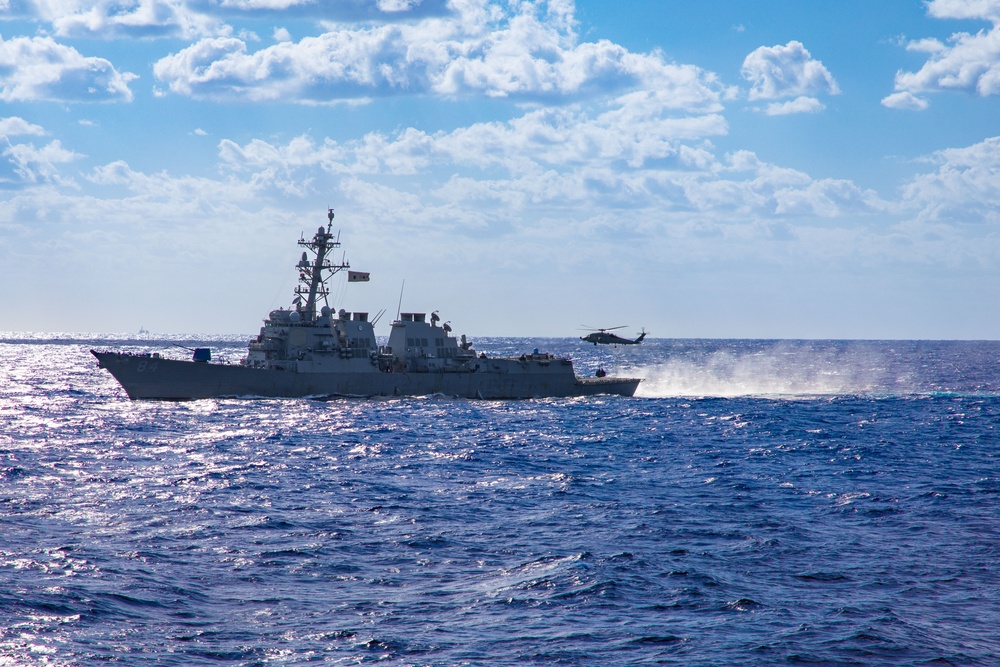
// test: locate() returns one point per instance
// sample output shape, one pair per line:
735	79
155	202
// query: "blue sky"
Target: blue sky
732	168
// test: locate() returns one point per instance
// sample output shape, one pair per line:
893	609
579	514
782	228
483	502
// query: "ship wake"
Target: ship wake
780	372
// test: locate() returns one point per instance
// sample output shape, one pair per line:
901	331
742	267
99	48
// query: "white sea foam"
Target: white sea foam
784	370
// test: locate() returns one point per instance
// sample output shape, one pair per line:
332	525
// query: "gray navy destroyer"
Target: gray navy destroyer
312	351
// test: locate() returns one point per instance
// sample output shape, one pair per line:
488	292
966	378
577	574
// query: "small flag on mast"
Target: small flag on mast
357	276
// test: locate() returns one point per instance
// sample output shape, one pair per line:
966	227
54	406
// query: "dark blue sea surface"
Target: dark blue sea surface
757	503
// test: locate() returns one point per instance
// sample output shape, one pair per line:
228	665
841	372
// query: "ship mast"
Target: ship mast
312	282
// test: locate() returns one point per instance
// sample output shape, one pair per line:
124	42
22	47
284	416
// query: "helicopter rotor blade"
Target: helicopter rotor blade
584	327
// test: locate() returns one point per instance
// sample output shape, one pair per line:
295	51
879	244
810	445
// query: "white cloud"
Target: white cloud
971	63
530	54
625	157
38	68
186	192
798	105
778	72
967	62
629	132
136	19
27	164
926	45
965	188
397	5
145	19
344	10
333	66
270	5
24	164
14	126
965	9
826	198
904	100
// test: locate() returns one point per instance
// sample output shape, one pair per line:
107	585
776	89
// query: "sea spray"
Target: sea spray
784	368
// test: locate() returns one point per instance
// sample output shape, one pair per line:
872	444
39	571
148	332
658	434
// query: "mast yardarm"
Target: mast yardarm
312	281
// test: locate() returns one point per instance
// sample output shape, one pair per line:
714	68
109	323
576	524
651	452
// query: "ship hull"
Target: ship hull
155	378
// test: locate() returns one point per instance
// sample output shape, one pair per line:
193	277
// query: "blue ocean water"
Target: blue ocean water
757	503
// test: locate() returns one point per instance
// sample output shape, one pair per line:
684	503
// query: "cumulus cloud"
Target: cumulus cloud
342	10
14	126
630	132
531	53
904	100
798	105
136	19
38	68
330	67
144	19
965	187
25	163
966	62
187	193
788	71
965	9
628	155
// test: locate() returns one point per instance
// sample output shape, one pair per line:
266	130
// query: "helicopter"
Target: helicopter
605	337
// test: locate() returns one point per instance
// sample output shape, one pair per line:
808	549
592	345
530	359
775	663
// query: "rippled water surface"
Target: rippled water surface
757	503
